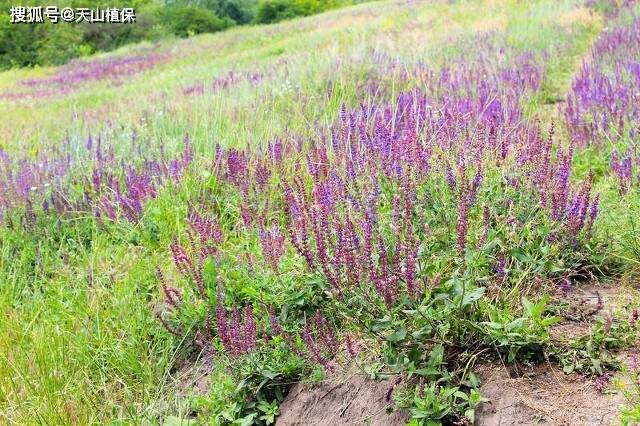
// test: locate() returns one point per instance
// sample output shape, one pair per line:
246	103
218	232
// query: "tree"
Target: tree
185	21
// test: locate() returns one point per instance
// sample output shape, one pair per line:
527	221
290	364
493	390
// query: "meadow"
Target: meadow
403	190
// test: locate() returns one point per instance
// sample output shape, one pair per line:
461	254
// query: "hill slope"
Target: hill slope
406	187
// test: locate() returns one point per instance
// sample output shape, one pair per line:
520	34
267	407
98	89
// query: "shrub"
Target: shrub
185	21
17	44
270	11
240	11
149	25
58	43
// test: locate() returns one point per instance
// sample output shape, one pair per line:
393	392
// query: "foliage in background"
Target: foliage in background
55	44
269	11
284	206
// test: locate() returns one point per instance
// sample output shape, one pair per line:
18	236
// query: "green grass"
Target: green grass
79	340
154	105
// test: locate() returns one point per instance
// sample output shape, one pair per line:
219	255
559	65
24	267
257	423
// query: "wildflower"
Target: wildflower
633	363
172	296
250	335
276	329
486	223
501	268
352	347
463	212
565	286
602	382
180	257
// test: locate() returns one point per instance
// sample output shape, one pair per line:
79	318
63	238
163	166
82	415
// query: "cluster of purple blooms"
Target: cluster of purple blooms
115	188
357	202
625	169
204	235
224	82
24	179
116	69
124	188
603	105
320	340
238	334
273	244
238	330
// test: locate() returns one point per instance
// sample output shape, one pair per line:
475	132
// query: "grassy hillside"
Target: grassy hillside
410	184
337	48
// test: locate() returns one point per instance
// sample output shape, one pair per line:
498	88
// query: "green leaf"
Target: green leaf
515	324
520	255
474	381
269	374
382	324
476	398
423	332
177	421
529	308
470	414
398	336
549	321
429	371
472	297
461	395
494	325
437	356
247	420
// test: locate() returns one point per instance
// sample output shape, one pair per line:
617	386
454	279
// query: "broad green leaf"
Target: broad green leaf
398	336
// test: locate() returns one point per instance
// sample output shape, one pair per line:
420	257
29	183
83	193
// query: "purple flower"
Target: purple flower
463	223
602	382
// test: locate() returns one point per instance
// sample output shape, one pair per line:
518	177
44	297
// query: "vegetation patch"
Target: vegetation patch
417	237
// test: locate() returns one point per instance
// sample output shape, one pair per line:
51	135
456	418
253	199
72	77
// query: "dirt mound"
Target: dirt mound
343	400
518	395
543	394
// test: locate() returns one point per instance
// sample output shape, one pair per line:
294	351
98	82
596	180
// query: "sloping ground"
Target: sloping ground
523	396
543	394
518	394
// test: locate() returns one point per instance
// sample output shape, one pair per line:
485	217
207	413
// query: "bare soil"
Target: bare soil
586	303
342	400
518	395
543	394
